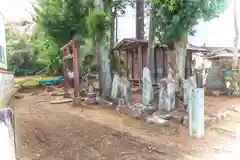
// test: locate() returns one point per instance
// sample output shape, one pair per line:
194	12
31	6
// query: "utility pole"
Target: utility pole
140	19
235	67
116	29
235	57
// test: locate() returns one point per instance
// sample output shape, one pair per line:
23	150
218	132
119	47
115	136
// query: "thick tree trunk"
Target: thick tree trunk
176	64
151	36
140	19
102	55
96	49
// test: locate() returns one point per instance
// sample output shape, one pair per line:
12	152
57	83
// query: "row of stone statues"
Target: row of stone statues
193	99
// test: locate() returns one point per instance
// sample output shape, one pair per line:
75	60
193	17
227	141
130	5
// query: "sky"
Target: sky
218	32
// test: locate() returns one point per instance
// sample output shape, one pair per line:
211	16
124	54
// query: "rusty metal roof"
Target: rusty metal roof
129	43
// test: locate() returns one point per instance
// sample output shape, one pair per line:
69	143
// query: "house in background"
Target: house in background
221	57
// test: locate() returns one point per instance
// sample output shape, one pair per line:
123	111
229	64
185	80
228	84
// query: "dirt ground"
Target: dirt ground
58	131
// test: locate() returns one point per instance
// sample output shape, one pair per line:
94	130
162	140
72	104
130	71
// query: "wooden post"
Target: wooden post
66	79
127	65
155	64
132	65
140	66
76	68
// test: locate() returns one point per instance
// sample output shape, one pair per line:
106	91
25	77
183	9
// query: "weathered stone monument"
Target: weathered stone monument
147	91
107	79
235	84
121	89
188	85
167	94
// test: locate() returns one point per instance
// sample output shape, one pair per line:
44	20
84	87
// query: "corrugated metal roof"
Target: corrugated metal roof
128	43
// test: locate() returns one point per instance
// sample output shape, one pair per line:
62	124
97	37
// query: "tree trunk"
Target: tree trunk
99	6
140	19
97	51
176	64
150	53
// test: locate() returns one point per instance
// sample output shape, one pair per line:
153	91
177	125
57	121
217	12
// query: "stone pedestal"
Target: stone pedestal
137	110
167	94
77	101
91	96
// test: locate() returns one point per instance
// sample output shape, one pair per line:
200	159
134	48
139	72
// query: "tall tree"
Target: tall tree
140	19
175	19
151	38
59	17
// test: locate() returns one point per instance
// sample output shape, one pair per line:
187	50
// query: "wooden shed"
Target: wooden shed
135	55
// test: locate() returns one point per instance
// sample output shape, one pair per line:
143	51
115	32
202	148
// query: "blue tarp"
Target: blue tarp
56	80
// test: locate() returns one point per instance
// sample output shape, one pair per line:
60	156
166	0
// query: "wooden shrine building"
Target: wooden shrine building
134	53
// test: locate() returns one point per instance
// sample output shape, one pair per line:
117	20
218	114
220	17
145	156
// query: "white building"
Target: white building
3	55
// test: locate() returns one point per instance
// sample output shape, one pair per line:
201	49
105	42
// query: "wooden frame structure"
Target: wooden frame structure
74	56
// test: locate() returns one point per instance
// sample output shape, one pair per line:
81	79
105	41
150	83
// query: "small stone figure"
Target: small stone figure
167	94
121	89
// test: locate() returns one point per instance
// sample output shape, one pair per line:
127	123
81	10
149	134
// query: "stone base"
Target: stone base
90	101
163	115
156	120
77	101
105	103
137	110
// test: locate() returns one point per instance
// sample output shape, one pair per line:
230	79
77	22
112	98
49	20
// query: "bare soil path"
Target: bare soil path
47	131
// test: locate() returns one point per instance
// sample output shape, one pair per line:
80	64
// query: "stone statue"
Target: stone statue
121	88
147	91
167	93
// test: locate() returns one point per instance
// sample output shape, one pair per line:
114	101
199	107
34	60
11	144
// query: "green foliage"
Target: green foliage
87	55
119	5
55	22
21	55
97	24
57	18
173	18
49	57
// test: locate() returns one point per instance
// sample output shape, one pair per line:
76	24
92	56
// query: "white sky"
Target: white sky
218	32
